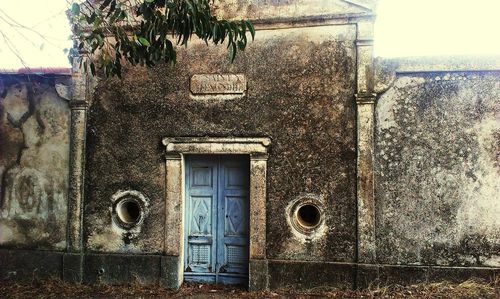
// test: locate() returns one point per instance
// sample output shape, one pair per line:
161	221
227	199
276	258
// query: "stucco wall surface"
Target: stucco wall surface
301	85
437	169
34	154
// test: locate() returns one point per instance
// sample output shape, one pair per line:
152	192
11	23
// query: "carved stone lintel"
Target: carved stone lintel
211	145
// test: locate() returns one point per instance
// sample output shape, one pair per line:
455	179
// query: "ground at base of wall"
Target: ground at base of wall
60	289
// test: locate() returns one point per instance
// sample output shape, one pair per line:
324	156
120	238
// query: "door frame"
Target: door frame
175	149
218	190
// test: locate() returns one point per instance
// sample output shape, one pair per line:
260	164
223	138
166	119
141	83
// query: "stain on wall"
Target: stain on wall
34	153
437	169
269	9
301	85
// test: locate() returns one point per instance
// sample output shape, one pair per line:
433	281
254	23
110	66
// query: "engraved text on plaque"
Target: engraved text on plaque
204	84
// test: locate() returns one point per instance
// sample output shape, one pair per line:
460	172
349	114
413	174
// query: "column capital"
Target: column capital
78	104
258	157
365	98
173	156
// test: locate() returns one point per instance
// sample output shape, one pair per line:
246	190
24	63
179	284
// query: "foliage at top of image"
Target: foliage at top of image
110	32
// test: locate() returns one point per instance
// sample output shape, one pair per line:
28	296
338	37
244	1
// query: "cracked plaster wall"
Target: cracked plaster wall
437	169
34	153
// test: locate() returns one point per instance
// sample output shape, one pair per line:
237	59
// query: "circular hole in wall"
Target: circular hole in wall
128	210
308	216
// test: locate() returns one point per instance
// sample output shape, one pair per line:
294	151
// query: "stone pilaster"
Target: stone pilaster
73	259
365	101
258	267
77	165
258	172
174	213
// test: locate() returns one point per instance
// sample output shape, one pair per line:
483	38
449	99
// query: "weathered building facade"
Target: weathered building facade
304	163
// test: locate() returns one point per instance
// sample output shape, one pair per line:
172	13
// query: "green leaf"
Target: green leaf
232	52
148	43
216	33
104	4
92	68
251	29
241	45
111	9
144	41
75	9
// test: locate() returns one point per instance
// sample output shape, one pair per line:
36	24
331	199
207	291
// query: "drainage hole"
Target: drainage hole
128	210
308	216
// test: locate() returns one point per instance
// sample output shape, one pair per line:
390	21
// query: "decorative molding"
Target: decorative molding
362	4
446	64
364	42
214	145
63	90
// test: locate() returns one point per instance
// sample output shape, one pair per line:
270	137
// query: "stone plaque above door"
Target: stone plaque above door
218	85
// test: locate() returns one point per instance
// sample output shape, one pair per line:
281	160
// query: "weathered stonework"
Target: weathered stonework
397	159
293	9
437	174
34	154
78	95
365	101
302	99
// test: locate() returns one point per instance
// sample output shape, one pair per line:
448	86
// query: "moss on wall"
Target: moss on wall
300	93
437	169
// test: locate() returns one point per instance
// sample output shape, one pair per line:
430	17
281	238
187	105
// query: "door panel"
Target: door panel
232	250
201	208
217	214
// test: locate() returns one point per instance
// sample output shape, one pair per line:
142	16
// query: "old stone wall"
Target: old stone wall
437	145
300	89
34	154
401	158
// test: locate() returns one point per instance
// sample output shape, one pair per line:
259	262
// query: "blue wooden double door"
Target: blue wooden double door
216	219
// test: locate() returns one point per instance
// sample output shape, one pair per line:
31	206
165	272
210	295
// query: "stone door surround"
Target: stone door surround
257	149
